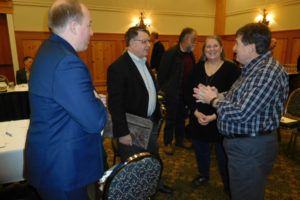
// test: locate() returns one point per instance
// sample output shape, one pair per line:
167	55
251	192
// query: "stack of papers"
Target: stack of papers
287	120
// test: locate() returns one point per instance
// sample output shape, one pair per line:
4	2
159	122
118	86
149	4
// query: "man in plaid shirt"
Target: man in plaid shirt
249	112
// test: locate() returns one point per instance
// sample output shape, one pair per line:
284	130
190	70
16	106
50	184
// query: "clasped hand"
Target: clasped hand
205	94
101	97
204	119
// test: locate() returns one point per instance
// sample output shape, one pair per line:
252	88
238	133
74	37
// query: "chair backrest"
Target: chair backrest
137	178
293	105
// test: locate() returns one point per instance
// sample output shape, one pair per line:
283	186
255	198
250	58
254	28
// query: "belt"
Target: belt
249	135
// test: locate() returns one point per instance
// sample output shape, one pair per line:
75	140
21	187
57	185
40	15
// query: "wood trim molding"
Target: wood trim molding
93	7
254	9
6	6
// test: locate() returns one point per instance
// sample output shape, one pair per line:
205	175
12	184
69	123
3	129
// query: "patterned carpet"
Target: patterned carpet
180	169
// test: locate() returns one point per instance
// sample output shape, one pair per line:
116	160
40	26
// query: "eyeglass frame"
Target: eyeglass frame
143	41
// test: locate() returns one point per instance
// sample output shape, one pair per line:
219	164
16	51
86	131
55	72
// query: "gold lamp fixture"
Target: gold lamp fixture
142	22
264	18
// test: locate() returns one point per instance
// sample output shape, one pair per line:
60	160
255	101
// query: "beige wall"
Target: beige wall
168	16
115	16
286	13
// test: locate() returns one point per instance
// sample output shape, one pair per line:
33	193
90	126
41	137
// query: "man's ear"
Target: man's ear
131	42
252	48
73	27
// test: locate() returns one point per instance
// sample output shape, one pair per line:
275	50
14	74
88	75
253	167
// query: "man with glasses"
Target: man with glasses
249	113
173	75
131	89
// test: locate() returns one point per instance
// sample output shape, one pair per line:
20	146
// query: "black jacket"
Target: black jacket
127	93
157	52
21	76
170	72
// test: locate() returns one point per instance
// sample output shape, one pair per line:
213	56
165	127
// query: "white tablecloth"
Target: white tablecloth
12	143
18	88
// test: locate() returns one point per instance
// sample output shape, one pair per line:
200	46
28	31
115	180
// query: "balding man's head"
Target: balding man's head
62	12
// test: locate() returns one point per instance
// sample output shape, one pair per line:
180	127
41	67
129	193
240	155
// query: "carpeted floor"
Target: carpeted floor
180	169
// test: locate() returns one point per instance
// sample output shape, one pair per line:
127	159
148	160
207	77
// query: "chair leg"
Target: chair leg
278	135
115	150
114	161
290	143
294	143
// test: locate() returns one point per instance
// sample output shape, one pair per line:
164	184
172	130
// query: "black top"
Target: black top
157	52
222	79
21	76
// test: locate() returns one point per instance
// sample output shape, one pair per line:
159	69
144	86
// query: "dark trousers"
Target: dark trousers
202	150
175	120
250	161
59	194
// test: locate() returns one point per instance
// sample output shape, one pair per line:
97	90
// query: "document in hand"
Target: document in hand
140	129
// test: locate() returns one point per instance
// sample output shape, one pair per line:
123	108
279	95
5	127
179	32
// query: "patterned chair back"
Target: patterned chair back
293	105
136	179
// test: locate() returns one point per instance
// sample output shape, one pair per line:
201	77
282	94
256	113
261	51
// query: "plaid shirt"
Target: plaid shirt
255	102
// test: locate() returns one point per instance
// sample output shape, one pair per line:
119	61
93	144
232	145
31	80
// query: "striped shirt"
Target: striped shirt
255	102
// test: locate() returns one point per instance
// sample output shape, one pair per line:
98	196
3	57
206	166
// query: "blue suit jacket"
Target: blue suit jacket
63	147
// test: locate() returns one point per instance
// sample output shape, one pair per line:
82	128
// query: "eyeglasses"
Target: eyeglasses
143	41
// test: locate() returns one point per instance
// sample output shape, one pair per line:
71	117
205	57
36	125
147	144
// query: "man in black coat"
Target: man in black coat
173	75
23	74
131	89
157	51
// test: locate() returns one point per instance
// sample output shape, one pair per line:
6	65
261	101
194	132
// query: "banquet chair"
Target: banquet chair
136	179
293	140
291	120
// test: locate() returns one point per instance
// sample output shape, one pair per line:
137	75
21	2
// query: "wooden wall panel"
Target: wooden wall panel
30	47
6	66
292	48
228	43
295	50
106	48
5	51
280	49
28	43
6	6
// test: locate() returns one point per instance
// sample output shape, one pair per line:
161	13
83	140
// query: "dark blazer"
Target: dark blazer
157	52
171	69
21	76
63	146
127	93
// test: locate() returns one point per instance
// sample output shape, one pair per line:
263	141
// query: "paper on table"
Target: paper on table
2	140
287	120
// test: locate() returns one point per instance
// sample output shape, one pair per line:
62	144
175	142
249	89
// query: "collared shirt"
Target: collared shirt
255	102
27	75
141	66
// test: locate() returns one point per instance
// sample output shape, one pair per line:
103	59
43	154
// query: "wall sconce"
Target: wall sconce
142	22
264	18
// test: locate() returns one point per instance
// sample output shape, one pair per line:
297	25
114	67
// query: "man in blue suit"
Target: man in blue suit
63	152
